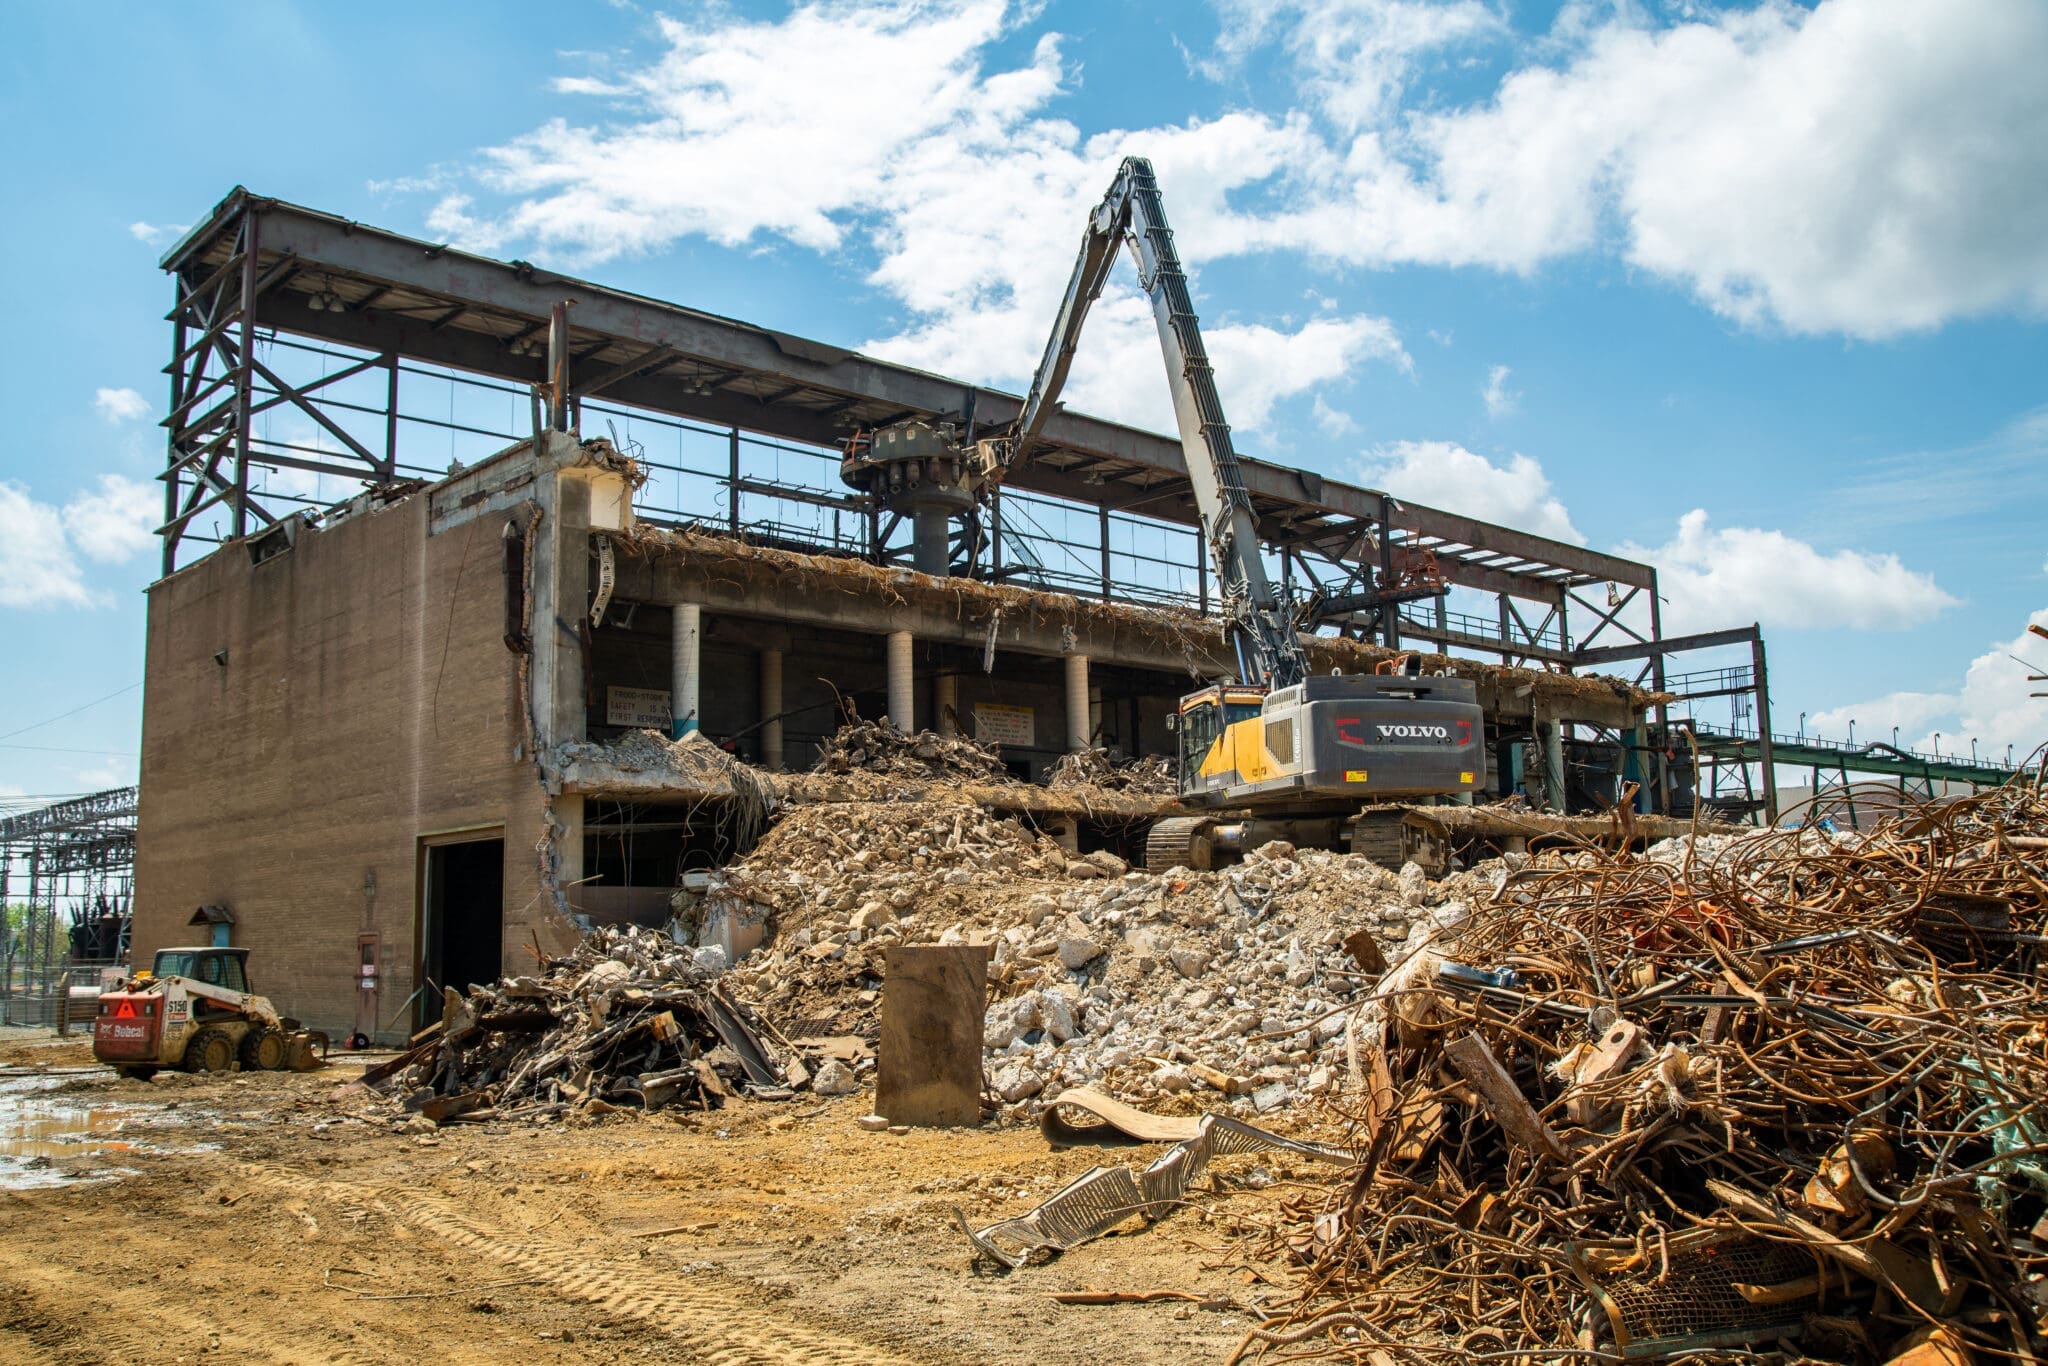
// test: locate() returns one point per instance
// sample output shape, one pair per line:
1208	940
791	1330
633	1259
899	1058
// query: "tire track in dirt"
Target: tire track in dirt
717	1325
74	1317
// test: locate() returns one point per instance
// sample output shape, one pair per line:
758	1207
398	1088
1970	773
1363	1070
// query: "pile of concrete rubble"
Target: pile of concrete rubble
1234	981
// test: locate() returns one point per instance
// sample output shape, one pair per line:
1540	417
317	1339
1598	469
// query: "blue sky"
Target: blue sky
1755	292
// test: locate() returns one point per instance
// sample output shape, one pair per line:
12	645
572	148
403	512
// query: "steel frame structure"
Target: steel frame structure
260	268
260	275
70	857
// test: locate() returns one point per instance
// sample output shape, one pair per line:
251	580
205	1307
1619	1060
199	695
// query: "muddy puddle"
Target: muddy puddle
53	1137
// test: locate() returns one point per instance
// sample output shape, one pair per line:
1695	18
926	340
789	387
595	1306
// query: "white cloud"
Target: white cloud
1356	56
1500	400
1709	576
1850	168
1444	474
37	568
154	234
1716	575
116	521
1333	421
40	543
120	405
1996	707
968	194
1992	706
1853	168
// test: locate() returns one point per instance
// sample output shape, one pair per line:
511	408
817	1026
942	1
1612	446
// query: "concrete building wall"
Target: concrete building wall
366	700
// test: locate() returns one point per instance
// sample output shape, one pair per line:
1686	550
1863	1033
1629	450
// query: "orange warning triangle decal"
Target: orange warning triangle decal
125	1011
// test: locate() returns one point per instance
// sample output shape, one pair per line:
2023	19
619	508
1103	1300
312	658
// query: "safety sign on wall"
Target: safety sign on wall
1000	725
640	708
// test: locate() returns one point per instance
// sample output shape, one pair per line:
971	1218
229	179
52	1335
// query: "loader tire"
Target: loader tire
211	1050
263	1050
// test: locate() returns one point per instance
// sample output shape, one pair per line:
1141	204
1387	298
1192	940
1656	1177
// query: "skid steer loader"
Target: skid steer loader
193	1009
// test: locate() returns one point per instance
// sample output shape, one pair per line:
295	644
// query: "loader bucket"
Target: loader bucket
306	1050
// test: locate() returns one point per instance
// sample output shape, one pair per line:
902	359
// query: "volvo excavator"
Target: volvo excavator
1280	753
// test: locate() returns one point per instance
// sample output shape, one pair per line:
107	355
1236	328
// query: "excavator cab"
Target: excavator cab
1205	722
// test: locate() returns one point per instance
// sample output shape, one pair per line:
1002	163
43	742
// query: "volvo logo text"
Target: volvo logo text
1414	732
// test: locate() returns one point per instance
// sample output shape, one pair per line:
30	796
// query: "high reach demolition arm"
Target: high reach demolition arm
1261	624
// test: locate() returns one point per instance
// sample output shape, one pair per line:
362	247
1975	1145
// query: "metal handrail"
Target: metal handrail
1878	749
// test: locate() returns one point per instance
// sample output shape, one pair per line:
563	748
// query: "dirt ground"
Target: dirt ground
283	1218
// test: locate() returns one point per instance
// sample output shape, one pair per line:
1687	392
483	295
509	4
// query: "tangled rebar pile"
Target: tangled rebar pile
1779	1097
1149	775
878	747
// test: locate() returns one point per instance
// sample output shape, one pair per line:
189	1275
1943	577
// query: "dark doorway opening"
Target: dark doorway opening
462	917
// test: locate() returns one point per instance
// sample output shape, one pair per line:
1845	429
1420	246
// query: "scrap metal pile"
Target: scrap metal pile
628	1020
1779	1097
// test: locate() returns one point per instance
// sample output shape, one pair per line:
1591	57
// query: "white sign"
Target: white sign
1004	725
640	708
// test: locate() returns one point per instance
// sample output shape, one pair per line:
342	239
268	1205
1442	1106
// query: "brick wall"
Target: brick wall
367	700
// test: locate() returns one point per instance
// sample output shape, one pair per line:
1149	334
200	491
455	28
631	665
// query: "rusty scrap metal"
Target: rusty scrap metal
1100	1198
1783	1088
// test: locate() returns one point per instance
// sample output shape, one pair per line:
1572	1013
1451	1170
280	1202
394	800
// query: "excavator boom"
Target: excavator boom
1133	214
1300	757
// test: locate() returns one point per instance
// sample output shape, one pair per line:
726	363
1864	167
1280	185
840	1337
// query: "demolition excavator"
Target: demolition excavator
1281	753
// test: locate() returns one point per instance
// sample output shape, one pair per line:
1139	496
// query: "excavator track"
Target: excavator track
1377	833
1176	842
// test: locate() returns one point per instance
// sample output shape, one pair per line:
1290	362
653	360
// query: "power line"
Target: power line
73	712
54	749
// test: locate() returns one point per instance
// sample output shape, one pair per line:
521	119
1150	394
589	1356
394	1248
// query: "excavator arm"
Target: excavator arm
1261	626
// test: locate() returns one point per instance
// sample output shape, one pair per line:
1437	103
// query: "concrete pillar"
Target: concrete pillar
686	680
1552	732
566	810
771	710
946	701
931	529
1077	702
902	694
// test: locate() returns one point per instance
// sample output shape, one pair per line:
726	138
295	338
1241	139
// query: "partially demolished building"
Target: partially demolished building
446	537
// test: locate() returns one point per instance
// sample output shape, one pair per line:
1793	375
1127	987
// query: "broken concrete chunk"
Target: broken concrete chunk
1078	953
1058	1013
835	1078
1017	1082
605	976
1008	1021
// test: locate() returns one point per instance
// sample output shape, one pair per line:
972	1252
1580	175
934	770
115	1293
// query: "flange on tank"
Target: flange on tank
916	468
